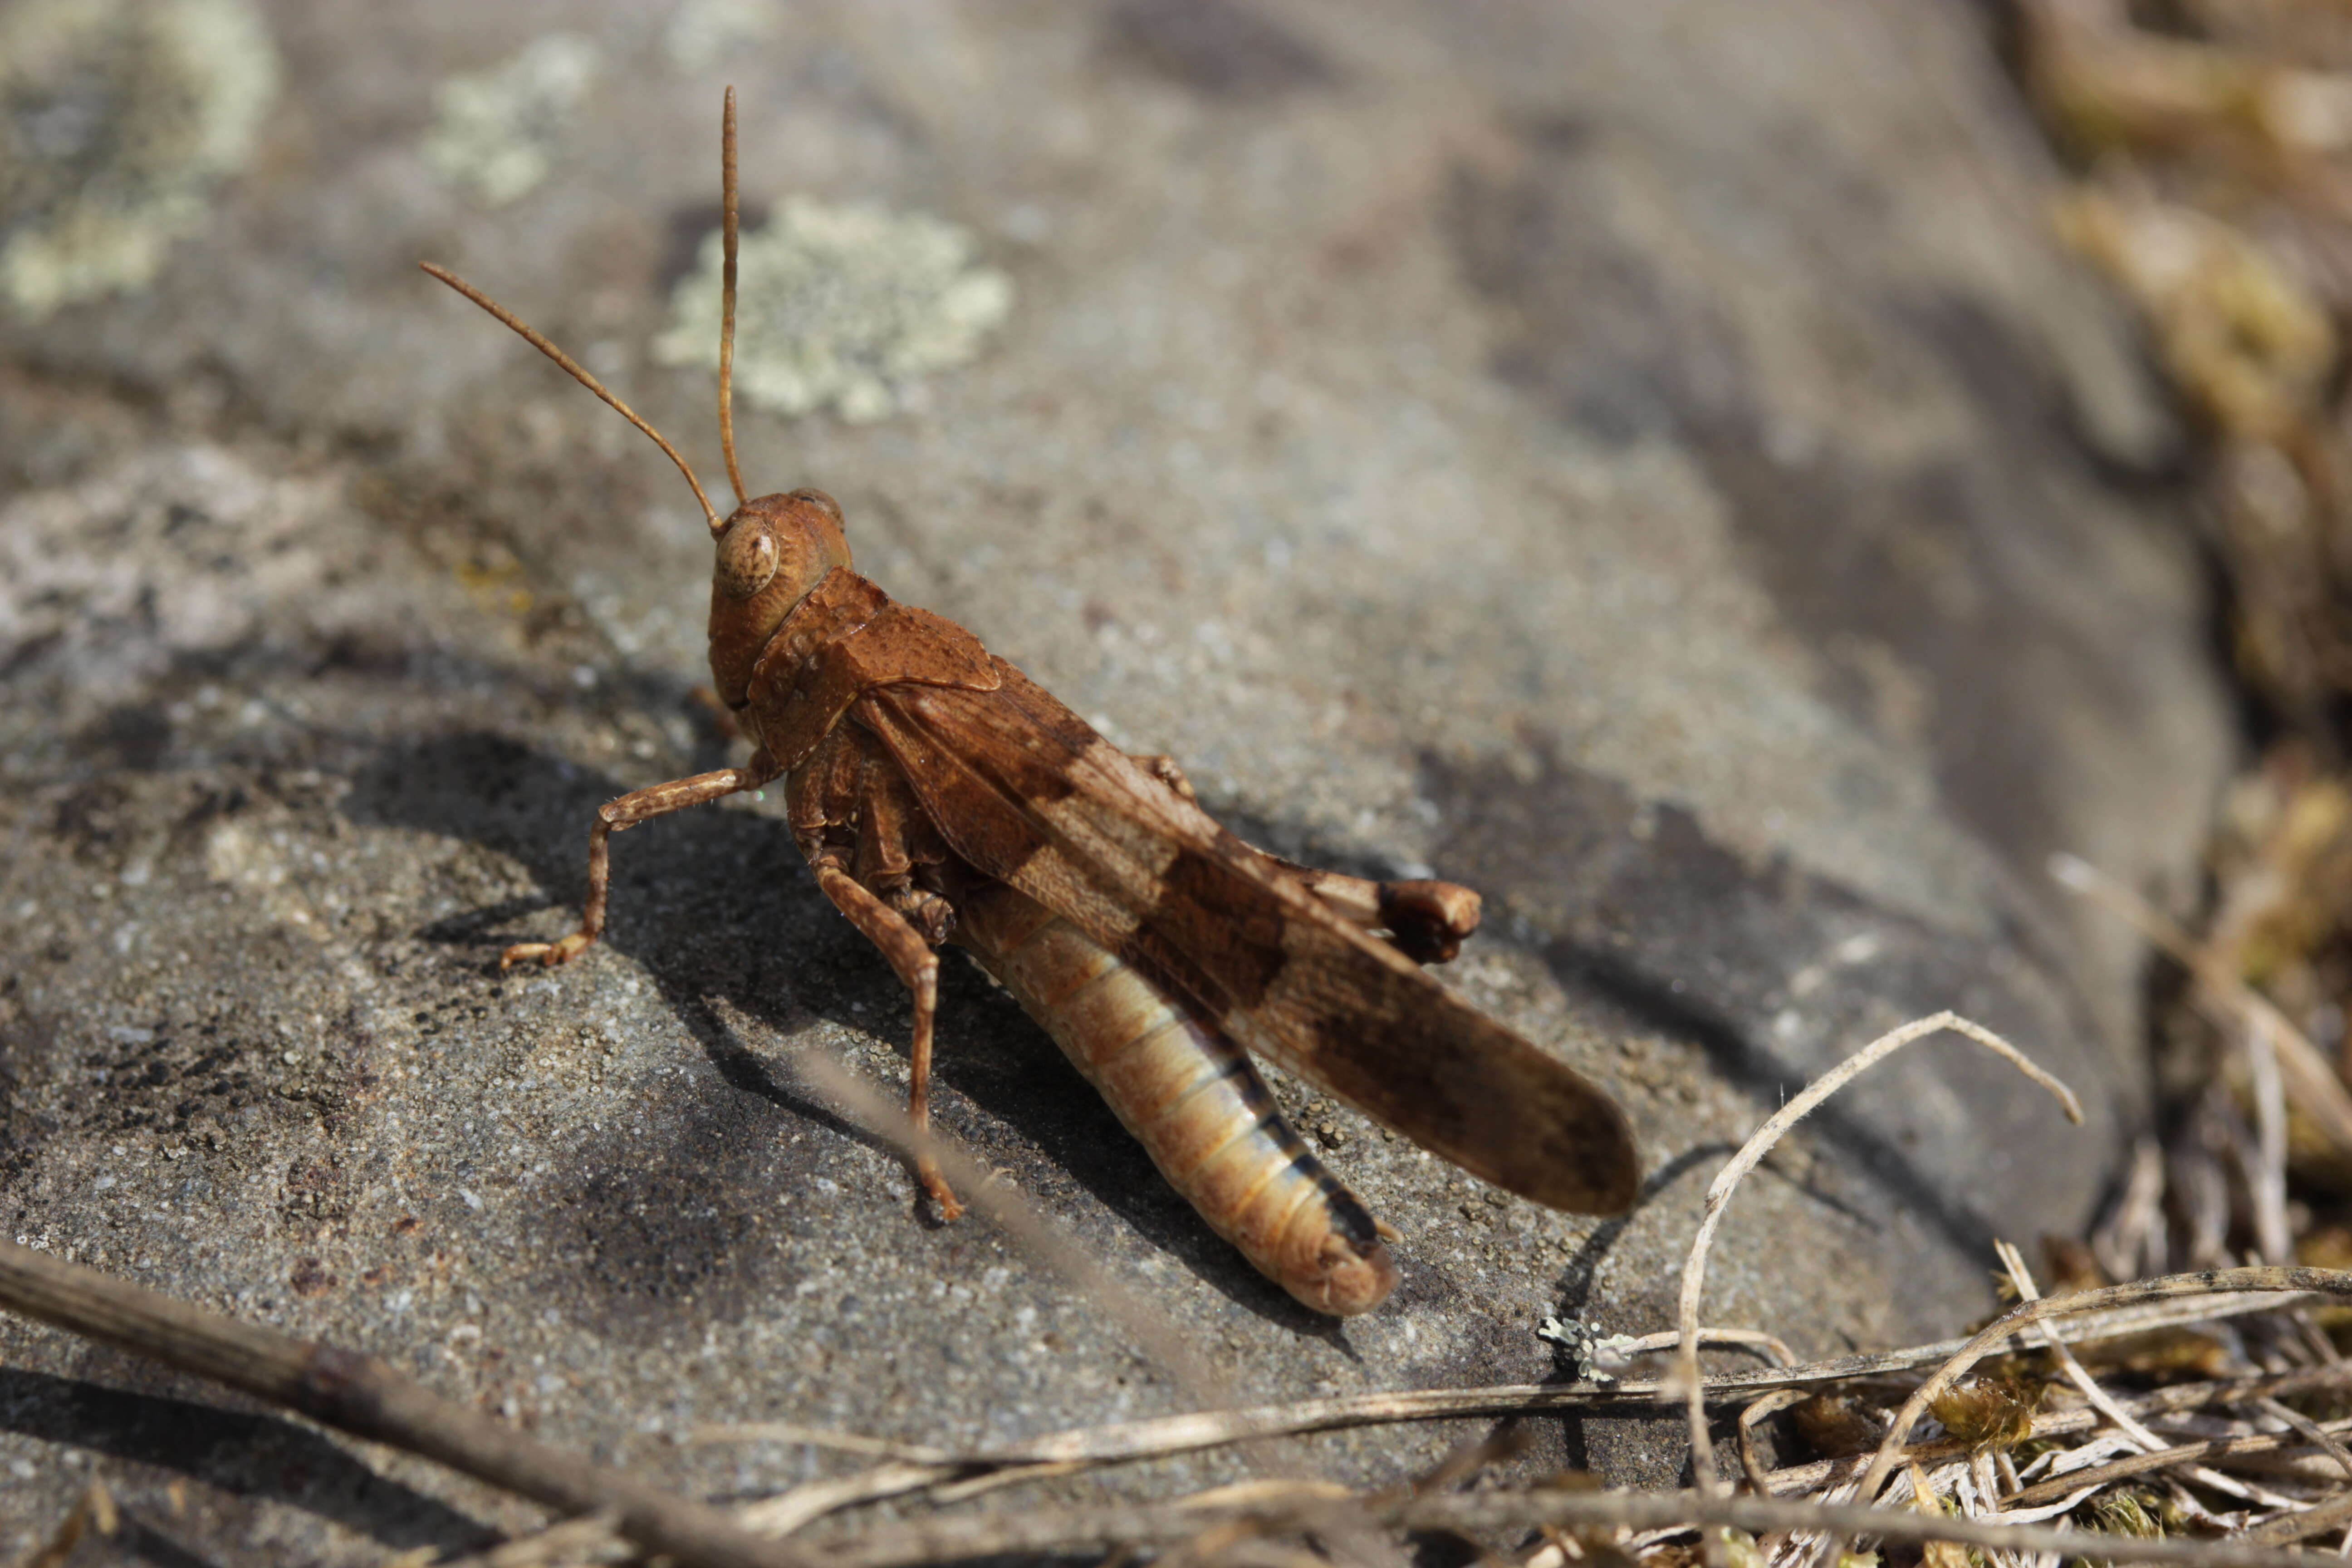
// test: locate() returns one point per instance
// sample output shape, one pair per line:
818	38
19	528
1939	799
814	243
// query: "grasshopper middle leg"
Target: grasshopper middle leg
918	968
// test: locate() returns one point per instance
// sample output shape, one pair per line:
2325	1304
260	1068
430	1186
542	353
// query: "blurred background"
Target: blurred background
1743	485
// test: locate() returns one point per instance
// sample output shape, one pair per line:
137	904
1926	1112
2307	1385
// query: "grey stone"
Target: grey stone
1645	461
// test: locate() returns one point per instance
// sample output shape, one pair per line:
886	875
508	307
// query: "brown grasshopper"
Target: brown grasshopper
940	795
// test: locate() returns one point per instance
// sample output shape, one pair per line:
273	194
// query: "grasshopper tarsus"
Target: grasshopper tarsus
943	1199
549	953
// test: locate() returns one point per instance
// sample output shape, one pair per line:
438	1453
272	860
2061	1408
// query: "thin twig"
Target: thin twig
788	1512
2130	1243
1160	1436
1234	1535
2178	1398
1719	1191
1168	1436
2152	1304
2265	1278
2059	1485
1771	1347
574	1542
361	1394
2311	1076
1750	1462
2311	1520
2267	1180
947	1540
2098	1398
958	1488
2311	1429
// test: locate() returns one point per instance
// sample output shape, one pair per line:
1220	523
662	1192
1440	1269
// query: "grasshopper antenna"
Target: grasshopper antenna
535	340
727	299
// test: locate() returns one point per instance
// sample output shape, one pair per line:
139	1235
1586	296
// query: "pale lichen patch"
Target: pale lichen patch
705	33
496	134
847	305
119	119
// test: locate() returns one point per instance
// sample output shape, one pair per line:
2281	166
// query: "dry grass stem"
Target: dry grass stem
2162	1458
361	1394
1751	1463
1727	1181
2120	1310
1169	1435
1772	1348
2130	1244
790	1512
2329	1515
2263	1277
2098	1398
592	1539
2301	1066
2267	1179
1077	1531
2307	1426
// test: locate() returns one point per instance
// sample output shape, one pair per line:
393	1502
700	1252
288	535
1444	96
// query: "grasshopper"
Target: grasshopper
940	795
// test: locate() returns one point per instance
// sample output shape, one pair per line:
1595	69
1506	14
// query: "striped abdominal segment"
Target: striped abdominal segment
1192	1098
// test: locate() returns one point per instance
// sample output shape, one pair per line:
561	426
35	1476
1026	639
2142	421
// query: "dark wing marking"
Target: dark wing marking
1028	793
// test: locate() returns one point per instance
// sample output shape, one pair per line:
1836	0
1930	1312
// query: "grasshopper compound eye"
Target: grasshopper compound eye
747	560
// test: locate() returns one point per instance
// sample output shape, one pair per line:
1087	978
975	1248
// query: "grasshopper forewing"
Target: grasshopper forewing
938	794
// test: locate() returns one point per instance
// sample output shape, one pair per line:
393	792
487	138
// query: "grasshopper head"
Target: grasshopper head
772	551
775	549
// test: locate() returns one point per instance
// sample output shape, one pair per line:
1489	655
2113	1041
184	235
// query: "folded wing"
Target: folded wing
1028	793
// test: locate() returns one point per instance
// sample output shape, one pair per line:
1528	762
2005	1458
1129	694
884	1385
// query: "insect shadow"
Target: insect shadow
1574	1289
714	905
235	1452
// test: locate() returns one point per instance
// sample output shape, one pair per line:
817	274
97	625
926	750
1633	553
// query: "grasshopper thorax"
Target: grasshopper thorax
772	551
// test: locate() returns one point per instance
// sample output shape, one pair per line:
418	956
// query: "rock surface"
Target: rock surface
1645	461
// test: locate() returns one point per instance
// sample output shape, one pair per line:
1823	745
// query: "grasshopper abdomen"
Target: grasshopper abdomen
1192	1098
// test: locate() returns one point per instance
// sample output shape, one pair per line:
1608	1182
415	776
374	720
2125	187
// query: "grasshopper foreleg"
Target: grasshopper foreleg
638	805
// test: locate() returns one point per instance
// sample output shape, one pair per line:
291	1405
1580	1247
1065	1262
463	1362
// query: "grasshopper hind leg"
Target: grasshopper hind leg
1425	921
